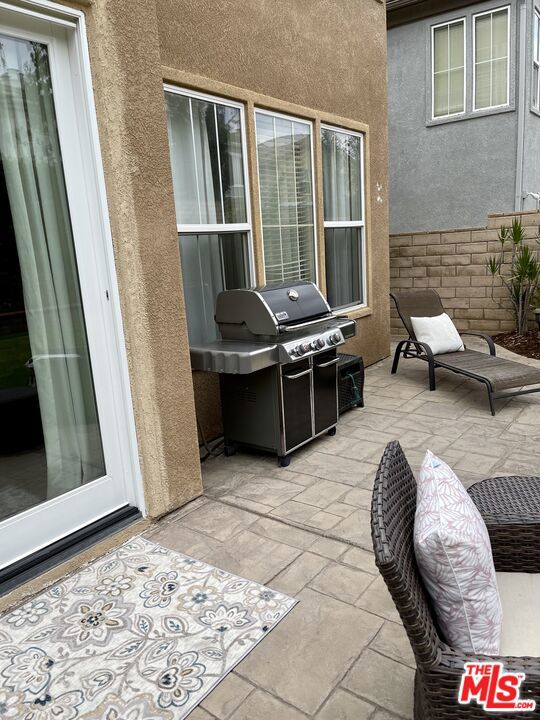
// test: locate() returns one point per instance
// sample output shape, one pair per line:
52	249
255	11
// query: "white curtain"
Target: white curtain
196	192
341	176
32	165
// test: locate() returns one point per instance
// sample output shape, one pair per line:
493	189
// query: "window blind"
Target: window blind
449	69
286	195
491	57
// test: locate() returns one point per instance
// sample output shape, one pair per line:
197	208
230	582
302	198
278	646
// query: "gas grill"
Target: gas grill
278	364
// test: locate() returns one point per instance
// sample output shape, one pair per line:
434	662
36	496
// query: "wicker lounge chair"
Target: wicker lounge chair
510	507
502	378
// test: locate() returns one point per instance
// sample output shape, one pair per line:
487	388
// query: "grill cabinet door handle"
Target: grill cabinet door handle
327	364
298	375
299	326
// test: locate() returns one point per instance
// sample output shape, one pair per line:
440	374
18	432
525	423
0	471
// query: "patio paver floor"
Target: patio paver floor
342	654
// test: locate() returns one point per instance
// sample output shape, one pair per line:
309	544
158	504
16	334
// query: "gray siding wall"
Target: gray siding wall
452	174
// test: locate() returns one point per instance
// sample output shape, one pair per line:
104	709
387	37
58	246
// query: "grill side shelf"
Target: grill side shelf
236	358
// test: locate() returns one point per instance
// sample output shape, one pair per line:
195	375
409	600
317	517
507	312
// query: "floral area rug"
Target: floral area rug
143	633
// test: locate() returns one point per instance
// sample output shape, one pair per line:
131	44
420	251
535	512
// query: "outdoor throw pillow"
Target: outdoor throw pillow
453	553
439	332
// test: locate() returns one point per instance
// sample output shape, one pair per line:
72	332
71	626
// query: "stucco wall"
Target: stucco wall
127	82
453	262
314	58
448	174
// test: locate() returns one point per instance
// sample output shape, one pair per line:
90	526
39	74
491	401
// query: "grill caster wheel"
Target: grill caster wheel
332	432
284	461
229	450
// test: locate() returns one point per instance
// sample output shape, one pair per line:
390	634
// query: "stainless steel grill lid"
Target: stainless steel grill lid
264	309
275	324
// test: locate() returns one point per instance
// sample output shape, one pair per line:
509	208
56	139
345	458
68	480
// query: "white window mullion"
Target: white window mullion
213	228
343	223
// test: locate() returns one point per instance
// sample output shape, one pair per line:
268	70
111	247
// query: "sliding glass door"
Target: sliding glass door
60	445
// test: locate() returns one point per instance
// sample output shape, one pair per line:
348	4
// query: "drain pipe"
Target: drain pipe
521	105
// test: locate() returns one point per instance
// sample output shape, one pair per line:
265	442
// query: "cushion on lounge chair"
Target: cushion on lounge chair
439	332
520	597
501	373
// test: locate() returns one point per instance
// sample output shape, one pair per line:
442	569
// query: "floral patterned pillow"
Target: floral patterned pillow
453	552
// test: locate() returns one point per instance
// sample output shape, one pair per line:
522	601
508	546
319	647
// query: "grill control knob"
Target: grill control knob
334	338
319	343
305	347
298	350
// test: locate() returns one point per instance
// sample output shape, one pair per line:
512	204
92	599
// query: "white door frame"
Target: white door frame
63	30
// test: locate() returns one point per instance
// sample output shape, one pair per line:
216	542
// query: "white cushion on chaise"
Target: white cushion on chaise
439	332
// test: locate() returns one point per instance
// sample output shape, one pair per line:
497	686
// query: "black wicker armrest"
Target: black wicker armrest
510	507
515	547
486	337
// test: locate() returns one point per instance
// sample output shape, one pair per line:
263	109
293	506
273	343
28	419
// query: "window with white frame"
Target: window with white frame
536	61
285	165
448	69
344	229
491	36
207	147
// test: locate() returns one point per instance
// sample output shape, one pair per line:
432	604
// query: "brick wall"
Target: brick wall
454	263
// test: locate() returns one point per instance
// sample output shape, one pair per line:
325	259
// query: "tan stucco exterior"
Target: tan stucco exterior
316	59
125	64
319	59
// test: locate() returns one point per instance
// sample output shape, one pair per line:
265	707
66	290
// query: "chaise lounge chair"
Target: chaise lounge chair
496	373
510	507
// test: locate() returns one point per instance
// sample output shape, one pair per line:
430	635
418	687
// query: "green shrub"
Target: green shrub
519	273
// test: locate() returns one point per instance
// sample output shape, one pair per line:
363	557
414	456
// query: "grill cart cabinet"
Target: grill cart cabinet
281	407
277	360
